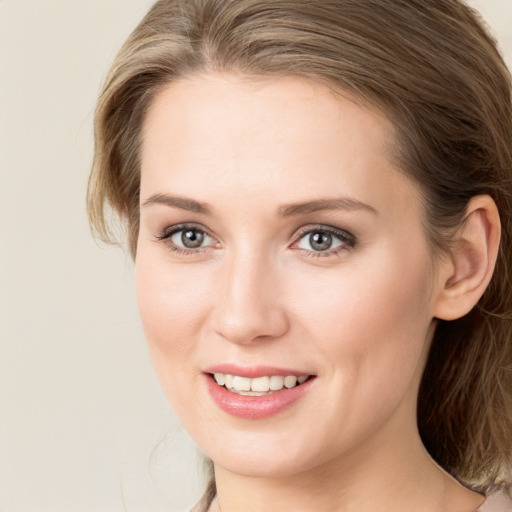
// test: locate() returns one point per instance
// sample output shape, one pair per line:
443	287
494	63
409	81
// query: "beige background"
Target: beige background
83	424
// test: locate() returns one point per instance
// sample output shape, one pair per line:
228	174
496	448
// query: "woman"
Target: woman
318	200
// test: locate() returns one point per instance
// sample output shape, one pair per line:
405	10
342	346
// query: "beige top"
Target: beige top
498	501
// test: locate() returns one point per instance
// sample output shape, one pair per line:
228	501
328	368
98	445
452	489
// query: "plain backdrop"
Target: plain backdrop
83	423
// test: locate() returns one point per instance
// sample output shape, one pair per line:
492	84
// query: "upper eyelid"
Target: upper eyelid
169	231
176	228
165	238
323	227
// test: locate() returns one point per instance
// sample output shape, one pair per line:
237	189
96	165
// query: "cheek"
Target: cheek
369	299
171	306
371	322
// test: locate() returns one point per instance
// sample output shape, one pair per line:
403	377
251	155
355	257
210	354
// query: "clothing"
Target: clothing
498	501
207	499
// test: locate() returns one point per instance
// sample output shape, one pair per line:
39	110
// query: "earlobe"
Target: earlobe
464	276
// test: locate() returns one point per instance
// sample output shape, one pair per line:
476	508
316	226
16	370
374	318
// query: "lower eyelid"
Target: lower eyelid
166	236
324	254
346	240
343	236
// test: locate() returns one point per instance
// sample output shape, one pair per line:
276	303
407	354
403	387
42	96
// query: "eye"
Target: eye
326	240
185	239
189	238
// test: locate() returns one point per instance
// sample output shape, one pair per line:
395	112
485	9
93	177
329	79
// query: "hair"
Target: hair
433	69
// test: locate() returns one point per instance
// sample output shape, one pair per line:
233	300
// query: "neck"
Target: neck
383	476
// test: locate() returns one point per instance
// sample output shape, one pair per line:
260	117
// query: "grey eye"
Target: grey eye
320	241
190	238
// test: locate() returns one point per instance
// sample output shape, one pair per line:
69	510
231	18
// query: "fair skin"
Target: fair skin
277	233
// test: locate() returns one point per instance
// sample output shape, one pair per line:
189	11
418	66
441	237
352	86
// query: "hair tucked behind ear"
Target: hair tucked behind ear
431	67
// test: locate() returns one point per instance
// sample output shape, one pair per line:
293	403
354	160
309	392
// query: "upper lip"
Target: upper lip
253	372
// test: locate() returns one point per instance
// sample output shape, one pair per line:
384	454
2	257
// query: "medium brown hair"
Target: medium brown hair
434	70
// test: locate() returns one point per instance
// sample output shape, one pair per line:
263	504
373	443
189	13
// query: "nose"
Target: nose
248	304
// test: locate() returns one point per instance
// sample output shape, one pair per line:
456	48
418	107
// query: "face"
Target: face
282	254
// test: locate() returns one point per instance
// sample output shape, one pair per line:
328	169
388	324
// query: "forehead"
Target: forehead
224	133
289	108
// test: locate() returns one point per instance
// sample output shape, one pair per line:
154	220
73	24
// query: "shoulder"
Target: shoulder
498	501
206	501
202	507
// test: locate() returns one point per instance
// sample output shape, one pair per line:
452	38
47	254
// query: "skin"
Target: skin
360	317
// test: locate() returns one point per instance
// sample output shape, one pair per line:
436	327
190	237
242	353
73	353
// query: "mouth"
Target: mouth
258	393
258	386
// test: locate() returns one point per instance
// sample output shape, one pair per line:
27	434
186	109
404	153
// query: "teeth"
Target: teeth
290	381
228	381
220	379
241	383
276	382
260	385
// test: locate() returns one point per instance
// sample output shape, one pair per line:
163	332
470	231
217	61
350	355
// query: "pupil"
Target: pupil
320	241
192	238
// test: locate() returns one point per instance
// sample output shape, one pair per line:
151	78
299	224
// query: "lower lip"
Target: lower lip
255	407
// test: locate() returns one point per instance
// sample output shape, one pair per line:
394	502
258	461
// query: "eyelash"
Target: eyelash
348	241
166	235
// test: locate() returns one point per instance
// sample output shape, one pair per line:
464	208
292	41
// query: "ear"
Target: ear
465	274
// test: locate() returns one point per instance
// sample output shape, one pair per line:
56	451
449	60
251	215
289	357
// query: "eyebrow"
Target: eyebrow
289	210
341	203
179	202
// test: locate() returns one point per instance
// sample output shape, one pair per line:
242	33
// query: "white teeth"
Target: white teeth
258	386
228	381
220	378
241	383
276	382
290	381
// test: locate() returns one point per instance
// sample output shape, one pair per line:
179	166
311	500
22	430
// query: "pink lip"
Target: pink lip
255	407
254	371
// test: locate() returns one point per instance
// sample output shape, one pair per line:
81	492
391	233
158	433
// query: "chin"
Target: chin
267	466
263	456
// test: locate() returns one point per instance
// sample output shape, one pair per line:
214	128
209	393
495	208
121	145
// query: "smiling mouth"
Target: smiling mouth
259	386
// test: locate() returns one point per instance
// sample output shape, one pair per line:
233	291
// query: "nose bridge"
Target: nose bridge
248	307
